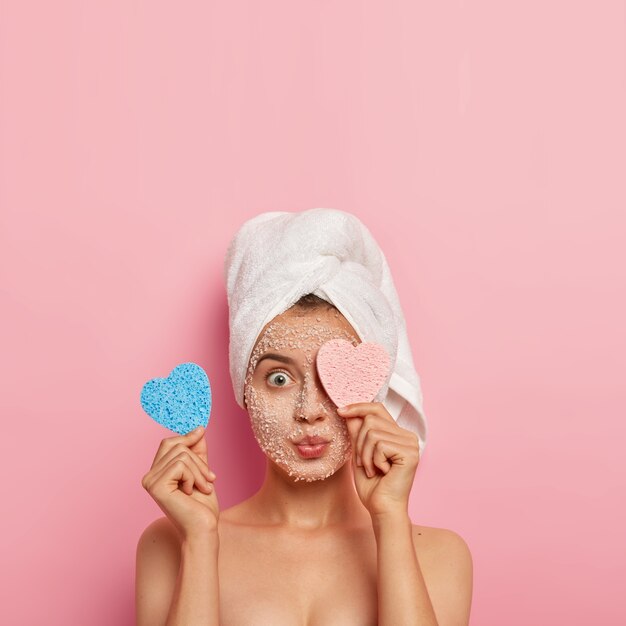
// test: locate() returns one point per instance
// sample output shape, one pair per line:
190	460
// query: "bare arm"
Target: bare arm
402	595
196	597
384	462
449	576
176	580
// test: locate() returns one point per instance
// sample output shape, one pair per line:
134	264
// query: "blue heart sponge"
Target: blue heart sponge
180	402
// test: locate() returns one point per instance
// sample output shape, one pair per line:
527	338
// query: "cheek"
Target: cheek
267	411
343	435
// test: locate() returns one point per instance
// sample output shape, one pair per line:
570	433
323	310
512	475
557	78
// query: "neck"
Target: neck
312	505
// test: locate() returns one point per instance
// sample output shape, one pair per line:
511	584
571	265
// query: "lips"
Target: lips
312	447
310	441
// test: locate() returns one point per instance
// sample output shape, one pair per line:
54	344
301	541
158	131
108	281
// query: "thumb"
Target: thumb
199	447
354	426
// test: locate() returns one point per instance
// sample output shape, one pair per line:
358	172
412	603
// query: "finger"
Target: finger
169	442
190	473
374	421
168	479
379	458
368	423
399	453
371	438
200	479
354	425
199	447
371	458
176	450
363	408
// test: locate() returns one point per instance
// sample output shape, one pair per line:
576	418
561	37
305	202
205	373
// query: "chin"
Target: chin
312	478
312	475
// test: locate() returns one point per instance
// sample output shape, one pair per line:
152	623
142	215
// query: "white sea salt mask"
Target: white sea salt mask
286	400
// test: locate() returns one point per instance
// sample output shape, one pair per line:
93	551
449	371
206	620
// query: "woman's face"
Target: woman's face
285	398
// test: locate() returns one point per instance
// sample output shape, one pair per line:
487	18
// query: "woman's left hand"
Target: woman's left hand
389	453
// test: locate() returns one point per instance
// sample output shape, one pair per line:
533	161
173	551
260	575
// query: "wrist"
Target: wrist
391	517
201	536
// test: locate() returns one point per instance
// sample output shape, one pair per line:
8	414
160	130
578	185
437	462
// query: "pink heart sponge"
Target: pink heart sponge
352	373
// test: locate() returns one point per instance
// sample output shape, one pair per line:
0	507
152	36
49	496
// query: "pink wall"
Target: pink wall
483	144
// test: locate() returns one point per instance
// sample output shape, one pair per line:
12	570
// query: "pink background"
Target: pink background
483	144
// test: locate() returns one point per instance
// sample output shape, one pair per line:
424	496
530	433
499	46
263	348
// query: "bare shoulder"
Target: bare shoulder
447	566
438	539
156	570
160	533
158	549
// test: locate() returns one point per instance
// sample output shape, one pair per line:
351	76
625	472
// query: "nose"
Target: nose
311	406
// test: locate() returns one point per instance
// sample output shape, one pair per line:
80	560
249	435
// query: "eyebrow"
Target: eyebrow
276	357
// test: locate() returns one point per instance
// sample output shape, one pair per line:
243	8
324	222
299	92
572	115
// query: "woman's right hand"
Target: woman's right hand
183	459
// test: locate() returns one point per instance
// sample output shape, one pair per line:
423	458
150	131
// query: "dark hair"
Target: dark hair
310	301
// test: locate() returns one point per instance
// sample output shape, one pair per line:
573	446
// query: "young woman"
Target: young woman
327	540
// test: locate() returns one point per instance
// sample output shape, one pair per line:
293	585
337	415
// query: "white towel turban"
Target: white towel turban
279	256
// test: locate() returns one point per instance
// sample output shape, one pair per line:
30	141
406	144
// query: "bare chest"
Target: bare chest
297	580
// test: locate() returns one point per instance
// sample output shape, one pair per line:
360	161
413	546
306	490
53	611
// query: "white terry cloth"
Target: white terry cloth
278	256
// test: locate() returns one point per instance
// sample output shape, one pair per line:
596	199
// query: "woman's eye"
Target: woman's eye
278	379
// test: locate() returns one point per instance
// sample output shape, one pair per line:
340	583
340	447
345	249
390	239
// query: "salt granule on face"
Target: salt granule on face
276	416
